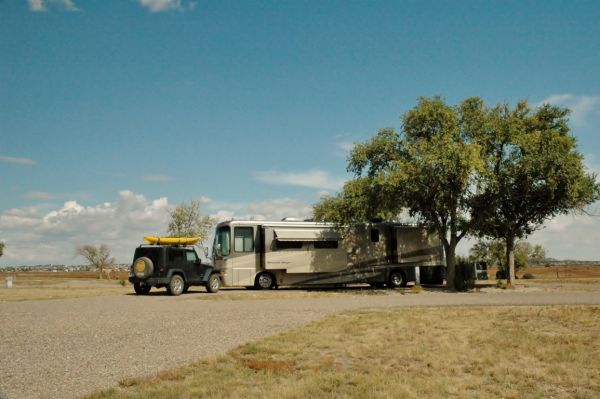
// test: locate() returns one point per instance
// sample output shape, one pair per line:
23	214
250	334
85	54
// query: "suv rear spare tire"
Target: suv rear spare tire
143	267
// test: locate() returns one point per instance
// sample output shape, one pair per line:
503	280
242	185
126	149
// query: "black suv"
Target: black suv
174	267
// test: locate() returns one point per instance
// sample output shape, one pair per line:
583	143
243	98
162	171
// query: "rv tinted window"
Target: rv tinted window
288	244
326	244
243	239
222	241
374	235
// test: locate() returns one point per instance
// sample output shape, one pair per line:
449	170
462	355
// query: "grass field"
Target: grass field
29	286
519	352
57	285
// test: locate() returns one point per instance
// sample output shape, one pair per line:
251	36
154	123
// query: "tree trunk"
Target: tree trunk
510	260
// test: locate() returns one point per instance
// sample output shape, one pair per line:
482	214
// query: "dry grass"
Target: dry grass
28	286
568	273
520	352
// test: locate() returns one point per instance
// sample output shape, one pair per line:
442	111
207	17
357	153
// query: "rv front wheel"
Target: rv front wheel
396	279
264	281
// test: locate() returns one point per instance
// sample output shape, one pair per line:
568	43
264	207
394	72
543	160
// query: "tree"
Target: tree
532	173
1	248
98	257
494	252
187	221
429	169
538	255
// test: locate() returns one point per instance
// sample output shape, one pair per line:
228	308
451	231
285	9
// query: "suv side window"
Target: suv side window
191	256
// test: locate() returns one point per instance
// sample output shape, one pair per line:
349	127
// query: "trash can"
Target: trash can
8	282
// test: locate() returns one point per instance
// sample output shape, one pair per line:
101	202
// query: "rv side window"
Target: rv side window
288	244
243	239
374	235
326	244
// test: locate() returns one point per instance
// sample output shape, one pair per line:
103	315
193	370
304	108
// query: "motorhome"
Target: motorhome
265	254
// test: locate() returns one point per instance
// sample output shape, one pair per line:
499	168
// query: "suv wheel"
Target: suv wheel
141	289
213	284
176	285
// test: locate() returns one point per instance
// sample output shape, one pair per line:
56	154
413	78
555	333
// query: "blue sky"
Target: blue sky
113	111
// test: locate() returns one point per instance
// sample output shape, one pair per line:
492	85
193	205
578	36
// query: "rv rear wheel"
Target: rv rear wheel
264	281
397	279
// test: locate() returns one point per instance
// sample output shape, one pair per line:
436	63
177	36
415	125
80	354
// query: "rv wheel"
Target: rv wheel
264	281
396	279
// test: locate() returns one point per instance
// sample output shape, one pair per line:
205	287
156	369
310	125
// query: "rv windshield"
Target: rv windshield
221	246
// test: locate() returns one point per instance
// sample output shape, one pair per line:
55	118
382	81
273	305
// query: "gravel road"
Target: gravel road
67	348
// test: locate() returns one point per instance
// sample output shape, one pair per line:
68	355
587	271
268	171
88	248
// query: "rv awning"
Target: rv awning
305	235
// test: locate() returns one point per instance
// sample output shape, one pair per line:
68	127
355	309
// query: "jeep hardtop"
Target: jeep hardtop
176	267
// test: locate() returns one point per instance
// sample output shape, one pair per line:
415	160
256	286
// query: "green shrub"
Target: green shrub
465	275
122	282
528	276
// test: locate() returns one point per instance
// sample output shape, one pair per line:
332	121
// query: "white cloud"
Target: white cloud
164	5
275	209
41	5
36	5
580	106
571	236
157	178
18	161
311	178
120	224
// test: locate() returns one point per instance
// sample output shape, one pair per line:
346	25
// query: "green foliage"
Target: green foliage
528	276
532	172
429	169
468	169
98	257
494	252
1	248
122	283
187	221
537	255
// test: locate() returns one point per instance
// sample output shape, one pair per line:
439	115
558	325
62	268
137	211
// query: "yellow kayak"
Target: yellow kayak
171	240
